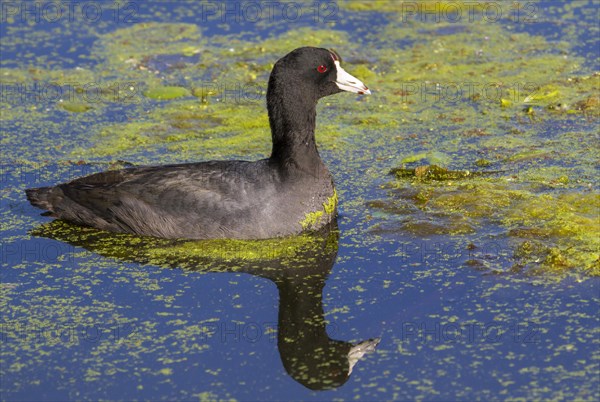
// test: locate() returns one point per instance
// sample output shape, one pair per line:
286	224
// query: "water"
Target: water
477	289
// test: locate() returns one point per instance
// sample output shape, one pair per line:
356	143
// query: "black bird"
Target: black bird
290	192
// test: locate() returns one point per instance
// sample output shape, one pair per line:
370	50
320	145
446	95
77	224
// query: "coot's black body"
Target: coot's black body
287	193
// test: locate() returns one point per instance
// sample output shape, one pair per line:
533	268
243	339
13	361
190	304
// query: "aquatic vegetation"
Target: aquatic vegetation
502	231
148	39
460	96
166	93
434	172
184	253
551	233
314	219
75	107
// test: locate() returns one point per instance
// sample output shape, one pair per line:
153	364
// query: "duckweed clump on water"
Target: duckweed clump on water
166	93
550	233
184	253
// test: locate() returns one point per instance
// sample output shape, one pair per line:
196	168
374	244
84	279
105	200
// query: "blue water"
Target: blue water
78	324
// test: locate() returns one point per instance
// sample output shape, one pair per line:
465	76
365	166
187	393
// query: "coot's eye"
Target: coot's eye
322	68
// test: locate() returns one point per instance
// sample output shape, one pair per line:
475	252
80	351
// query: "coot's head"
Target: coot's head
312	73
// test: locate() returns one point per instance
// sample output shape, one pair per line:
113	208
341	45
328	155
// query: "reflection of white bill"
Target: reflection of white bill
359	350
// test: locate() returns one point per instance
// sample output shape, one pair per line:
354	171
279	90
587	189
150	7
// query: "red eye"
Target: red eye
322	68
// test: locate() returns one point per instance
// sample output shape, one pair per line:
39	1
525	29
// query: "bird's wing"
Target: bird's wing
174	200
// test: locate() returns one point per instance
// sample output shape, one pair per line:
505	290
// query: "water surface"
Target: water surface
480	285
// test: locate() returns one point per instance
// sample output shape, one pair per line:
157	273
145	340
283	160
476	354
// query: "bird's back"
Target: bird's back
220	199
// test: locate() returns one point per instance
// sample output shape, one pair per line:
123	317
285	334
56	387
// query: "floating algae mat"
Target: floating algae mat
476	261
187	253
551	232
434	172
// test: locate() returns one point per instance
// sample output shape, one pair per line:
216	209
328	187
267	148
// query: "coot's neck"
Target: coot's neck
292	116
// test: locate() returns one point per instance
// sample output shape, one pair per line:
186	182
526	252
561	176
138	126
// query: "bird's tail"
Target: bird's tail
38	197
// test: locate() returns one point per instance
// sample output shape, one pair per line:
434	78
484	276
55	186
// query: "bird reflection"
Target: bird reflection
298	266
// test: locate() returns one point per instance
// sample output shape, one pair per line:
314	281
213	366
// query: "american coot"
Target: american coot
285	194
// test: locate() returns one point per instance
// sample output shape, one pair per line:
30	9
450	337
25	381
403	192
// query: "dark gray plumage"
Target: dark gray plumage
287	193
